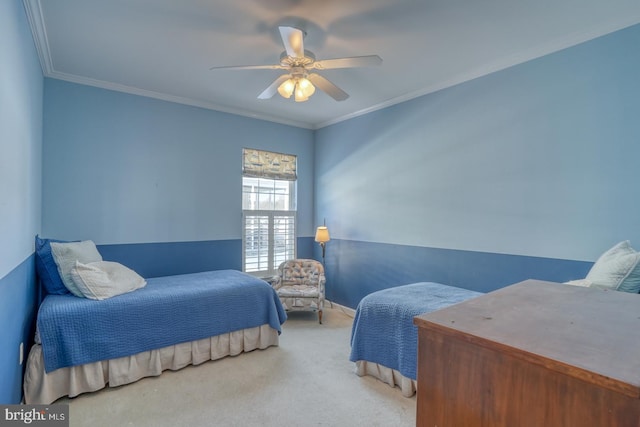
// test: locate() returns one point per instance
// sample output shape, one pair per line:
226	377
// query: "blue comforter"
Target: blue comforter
383	331
168	311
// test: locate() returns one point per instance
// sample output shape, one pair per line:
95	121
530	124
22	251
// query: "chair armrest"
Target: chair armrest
321	284
275	282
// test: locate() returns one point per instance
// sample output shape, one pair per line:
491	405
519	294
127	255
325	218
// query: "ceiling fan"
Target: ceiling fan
298	62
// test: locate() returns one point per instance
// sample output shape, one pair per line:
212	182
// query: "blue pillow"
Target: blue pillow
47	269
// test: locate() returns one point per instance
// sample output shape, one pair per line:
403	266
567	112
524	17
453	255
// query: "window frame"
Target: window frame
272	261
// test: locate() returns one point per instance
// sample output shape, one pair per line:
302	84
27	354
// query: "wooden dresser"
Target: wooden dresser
536	354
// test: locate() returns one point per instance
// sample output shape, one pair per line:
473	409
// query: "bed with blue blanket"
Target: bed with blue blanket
83	345
384	340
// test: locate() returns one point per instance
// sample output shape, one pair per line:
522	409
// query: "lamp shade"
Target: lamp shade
286	88
299	94
322	234
306	87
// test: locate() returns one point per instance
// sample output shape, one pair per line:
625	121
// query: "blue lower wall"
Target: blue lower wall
355	269
164	259
17	317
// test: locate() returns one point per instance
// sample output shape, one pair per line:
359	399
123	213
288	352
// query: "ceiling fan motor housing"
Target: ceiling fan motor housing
290	61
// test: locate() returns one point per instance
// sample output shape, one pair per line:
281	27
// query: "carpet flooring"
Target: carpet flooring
306	381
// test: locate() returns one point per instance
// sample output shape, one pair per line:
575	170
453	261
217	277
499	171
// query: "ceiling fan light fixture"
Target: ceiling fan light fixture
297	85
299	94
286	89
306	87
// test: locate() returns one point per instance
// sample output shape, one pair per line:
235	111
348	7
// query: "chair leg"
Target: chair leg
320	316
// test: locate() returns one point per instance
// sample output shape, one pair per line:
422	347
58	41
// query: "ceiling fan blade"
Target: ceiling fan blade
292	40
273	88
354	61
250	67
329	88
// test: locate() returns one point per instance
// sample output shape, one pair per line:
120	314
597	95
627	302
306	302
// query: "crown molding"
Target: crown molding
507	62
173	98
38	28
33	9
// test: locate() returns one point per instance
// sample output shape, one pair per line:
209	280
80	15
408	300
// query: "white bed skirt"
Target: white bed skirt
390	376
44	388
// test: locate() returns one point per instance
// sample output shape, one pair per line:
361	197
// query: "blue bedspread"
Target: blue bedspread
169	310
383	331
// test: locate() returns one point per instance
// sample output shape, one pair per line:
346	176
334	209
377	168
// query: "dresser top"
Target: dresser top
587	333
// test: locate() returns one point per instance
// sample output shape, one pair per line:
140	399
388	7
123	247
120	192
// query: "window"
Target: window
268	210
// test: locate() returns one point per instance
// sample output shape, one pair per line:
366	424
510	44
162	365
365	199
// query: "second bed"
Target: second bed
384	340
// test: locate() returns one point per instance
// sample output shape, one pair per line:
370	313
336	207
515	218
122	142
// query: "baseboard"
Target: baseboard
346	310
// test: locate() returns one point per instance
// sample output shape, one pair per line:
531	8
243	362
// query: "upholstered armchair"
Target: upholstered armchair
300	285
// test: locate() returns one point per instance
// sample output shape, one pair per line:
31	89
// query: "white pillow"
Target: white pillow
66	254
618	269
105	279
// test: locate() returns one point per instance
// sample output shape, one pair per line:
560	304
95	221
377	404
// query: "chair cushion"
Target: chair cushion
298	291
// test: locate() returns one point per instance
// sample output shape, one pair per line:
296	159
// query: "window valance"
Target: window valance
266	164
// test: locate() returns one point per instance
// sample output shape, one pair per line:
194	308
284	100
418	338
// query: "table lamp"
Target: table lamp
322	237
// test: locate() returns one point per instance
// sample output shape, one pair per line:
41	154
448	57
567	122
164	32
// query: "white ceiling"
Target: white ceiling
165	48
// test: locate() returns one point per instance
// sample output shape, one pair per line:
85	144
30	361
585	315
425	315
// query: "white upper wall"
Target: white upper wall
122	168
540	159
20	137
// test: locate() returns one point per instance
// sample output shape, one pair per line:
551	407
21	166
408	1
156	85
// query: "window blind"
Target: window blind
267	164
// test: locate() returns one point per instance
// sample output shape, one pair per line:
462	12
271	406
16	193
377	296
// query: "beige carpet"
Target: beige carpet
306	381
